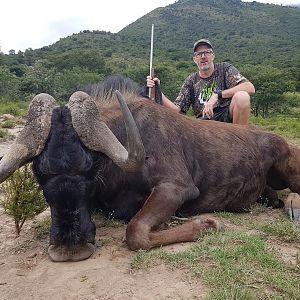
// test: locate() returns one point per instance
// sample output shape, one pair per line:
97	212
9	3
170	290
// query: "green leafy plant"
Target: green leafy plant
3	133
8	124
23	199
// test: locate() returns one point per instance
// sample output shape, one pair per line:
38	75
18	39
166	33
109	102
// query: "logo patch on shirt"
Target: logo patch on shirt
207	92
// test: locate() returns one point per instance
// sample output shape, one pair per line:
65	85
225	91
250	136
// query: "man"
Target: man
215	91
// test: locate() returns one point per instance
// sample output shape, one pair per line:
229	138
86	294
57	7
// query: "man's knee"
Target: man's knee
240	108
241	100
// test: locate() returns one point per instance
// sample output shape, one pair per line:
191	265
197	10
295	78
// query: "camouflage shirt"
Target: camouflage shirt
195	90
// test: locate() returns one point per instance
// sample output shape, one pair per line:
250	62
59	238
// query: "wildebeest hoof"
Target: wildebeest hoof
292	206
207	225
214	224
77	253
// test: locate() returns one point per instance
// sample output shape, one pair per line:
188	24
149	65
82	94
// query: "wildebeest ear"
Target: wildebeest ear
96	135
31	140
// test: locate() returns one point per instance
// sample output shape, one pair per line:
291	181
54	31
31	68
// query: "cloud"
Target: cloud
63	27
36	23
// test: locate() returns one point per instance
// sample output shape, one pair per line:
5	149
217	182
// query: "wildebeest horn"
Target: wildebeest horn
31	140
96	135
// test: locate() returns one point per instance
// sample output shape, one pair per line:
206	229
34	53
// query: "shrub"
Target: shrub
3	133
24	199
15	108
8	124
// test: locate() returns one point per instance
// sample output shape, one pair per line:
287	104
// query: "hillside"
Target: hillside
251	32
260	39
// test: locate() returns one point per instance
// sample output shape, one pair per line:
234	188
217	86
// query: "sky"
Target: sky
36	23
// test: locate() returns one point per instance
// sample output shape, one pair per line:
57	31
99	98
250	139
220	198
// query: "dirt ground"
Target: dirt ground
27	273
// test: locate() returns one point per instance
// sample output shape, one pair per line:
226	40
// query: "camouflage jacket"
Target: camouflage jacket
195	90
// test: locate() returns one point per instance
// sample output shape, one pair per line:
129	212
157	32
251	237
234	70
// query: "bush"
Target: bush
10	108
3	133
8	124
24	199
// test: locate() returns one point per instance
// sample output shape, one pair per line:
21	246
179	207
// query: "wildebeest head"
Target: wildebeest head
61	142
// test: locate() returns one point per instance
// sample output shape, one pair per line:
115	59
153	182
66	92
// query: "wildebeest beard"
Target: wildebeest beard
71	221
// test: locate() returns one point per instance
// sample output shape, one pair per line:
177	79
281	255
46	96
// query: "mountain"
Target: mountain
260	39
252	31
248	32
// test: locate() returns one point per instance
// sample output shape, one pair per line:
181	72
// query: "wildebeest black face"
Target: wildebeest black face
64	170
72	231
64	144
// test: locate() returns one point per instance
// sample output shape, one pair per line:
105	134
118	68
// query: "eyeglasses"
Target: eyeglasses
205	53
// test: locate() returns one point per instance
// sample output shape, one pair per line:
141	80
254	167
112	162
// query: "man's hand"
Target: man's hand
209	106
151	81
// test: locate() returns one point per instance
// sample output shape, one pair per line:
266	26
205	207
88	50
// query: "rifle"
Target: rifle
155	92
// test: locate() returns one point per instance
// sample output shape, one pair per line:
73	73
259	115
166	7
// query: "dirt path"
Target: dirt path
27	273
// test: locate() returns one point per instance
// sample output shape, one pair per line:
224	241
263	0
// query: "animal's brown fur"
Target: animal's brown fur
196	166
192	166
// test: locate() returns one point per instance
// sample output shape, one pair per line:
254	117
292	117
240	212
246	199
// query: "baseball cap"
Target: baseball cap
202	41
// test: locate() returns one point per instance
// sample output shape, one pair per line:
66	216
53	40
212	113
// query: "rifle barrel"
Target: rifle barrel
151	49
151	71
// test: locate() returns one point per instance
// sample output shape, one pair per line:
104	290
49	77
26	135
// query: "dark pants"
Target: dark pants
221	114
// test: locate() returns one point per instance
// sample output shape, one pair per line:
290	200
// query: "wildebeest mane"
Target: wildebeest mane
104	91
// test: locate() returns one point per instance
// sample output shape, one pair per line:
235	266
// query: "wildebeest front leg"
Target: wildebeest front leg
142	231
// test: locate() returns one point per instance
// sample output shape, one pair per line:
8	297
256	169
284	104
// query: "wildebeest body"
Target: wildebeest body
190	167
219	166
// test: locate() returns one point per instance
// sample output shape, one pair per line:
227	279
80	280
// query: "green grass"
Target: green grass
3	133
240	263
103	221
280	227
111	222
8	124
42	228
17	109
234	265
288	127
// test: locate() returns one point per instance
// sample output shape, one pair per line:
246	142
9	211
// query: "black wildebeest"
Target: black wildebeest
172	165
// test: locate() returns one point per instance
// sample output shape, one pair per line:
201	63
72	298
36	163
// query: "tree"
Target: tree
38	79
11	52
88	59
270	84
29	57
9	83
66	82
24	199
